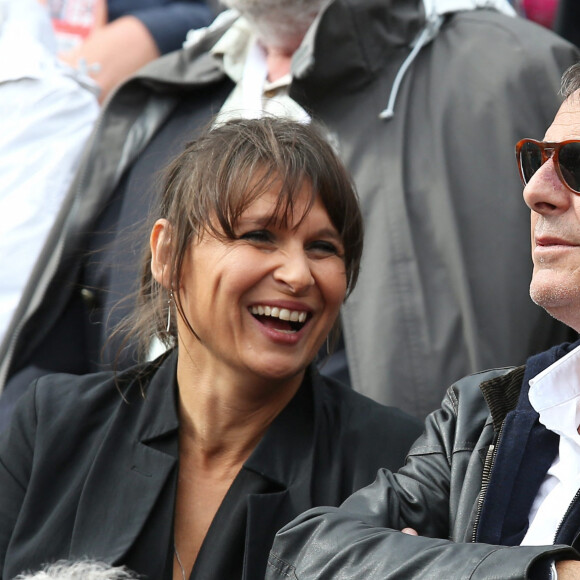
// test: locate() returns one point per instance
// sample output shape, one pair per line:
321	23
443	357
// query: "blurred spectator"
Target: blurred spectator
128	34
567	22
48	111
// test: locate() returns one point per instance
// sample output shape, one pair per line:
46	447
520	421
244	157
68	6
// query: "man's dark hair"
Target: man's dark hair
570	80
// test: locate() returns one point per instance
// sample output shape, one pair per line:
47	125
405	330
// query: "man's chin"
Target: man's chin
560	300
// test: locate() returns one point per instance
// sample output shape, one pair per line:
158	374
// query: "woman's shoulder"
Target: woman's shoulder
346	400
95	394
360	433
65	389
360	415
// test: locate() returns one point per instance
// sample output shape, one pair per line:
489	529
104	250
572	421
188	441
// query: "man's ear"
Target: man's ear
160	243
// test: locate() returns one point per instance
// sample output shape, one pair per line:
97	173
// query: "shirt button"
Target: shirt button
89	297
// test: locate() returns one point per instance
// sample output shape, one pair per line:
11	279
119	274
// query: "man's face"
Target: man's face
555	227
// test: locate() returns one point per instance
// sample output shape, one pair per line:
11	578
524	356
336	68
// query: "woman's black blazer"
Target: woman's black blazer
88	467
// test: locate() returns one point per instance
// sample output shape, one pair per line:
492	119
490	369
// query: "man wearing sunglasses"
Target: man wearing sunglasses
492	486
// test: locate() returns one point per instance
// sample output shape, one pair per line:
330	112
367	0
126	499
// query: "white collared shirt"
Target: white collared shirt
244	62
555	395
47	112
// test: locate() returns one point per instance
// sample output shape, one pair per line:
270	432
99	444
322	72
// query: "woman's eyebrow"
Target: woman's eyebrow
329	233
258	220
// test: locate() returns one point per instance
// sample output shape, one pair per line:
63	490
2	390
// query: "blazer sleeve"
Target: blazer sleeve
16	458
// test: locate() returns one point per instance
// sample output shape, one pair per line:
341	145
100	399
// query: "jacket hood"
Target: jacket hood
366	34
434	12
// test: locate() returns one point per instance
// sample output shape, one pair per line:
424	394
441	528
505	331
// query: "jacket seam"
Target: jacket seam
453	399
478	566
285	568
425	450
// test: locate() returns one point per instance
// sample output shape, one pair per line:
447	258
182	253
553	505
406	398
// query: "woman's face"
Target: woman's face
264	303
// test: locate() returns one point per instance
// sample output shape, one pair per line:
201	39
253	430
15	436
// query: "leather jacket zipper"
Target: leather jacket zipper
485	477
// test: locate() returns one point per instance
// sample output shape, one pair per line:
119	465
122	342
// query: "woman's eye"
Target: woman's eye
260	236
324	247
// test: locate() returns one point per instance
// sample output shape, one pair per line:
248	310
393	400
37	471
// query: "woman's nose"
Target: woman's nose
545	193
294	271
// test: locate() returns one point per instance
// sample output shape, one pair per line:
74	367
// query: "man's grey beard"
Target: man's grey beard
279	24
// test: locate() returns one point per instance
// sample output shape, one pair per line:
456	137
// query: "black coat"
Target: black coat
85	473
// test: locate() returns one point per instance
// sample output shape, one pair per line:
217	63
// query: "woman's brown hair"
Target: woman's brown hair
217	176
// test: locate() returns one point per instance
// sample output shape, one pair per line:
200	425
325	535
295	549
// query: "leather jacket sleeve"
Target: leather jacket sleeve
435	493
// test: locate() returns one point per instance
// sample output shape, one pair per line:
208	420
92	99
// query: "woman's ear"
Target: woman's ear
160	243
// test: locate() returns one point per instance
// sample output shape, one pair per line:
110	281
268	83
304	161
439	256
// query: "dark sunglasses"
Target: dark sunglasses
532	154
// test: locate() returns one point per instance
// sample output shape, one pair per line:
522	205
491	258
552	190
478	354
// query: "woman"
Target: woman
185	467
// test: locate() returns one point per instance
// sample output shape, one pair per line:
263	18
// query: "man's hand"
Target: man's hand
568	570
410	531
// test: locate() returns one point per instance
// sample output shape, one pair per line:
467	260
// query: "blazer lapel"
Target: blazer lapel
287	461
267	513
128	474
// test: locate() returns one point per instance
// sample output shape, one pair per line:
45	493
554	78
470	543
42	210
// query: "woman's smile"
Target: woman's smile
280	319
282	323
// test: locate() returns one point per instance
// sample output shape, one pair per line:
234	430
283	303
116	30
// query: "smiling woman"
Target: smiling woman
211	193
190	463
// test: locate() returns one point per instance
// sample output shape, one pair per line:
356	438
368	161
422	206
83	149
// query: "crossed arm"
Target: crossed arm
352	543
436	494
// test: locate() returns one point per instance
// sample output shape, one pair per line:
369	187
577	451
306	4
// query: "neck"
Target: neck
278	62
223	416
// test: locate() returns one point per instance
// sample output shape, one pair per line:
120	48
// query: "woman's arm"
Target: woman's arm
114	52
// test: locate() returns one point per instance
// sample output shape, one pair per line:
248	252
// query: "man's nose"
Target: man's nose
294	271
545	193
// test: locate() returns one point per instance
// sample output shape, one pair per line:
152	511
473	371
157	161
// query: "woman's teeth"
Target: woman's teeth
281	313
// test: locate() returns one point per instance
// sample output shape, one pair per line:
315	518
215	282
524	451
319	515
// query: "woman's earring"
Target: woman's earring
169	311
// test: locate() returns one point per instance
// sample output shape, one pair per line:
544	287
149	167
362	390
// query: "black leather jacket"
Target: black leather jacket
439	492
86	471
